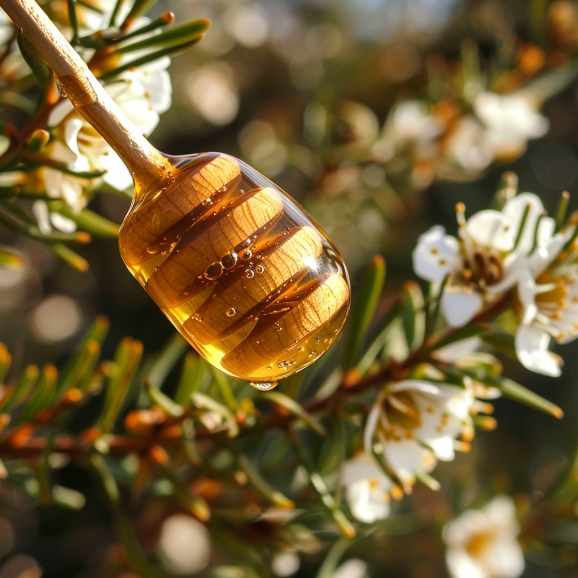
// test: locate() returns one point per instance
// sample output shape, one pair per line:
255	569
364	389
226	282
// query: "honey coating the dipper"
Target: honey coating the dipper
240	269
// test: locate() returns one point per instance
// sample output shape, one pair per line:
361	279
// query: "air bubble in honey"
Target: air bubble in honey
188	243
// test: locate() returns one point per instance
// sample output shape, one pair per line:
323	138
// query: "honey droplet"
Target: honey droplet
264	385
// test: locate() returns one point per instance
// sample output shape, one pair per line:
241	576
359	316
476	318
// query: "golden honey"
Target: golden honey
240	269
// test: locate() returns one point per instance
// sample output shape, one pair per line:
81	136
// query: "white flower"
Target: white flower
482	543
285	564
510	121
47	219
367	488
141	95
489	256
411	121
352	568
416	424
548	294
467	145
64	186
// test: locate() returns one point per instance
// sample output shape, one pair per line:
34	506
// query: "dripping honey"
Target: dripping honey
244	274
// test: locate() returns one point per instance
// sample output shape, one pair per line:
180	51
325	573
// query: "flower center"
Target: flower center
478	543
402	412
485	268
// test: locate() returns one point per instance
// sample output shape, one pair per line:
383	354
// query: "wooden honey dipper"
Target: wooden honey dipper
240	269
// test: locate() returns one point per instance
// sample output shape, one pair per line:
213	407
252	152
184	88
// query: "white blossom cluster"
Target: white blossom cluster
445	143
141	93
517	251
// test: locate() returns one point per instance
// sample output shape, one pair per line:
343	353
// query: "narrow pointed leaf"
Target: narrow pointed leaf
80	368
454	336
87	220
519	393
42	395
22	388
195	370
124	530
139	7
260	485
70	257
138	62
34	60
503	342
73	20
177	35
413	315
296	409
167	360
203	401
379	338
333	557
5	362
325	497
364	310
224	386
161	399
126	361
561	210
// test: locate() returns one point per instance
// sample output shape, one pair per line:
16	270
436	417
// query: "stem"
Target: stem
122	445
88	96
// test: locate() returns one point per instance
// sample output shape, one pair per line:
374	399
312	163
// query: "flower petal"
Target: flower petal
532	350
436	255
459	305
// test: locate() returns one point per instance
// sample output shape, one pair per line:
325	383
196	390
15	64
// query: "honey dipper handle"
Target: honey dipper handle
87	94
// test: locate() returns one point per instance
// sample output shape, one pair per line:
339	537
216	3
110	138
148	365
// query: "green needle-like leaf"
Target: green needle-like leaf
336	552
126	361
195	370
177	35
5	362
167	360
70	257
151	57
162	400
296	409
122	525
561	210
203	401
318	485
79	369
523	395
465	333
413	316
224	386
21	389
362	314
73	20
11	260
260	485
87	220
34	60
503	342
42	396
380	335
139	7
